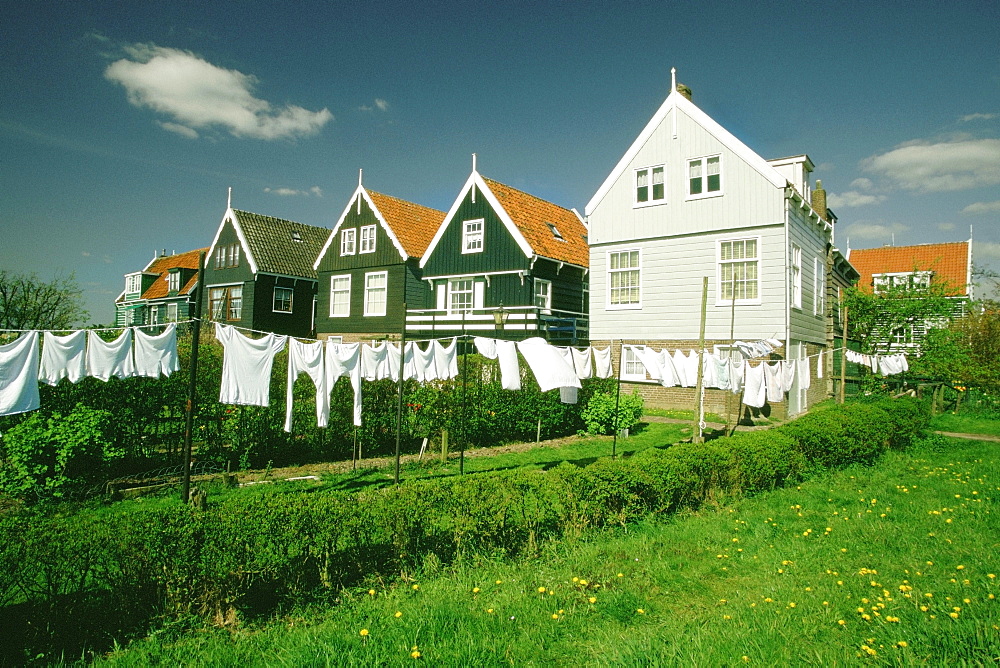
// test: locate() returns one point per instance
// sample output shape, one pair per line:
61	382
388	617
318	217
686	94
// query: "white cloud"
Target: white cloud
182	130
980	208
292	192
977	117
985	250
197	95
944	166
863	230
946	227
379	104
85	253
851	198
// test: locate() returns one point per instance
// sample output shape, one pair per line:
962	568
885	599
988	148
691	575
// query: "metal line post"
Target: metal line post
399	404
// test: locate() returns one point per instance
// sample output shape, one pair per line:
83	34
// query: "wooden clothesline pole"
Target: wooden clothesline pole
189	406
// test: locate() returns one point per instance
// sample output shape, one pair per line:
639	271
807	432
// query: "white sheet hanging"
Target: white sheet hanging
19	374
110	358
63	357
582	364
774	382
550	368
344	359
246	366
156	355
754	385
307	358
737	369
671	378
819	365
602	363
506	352
788	368
802	372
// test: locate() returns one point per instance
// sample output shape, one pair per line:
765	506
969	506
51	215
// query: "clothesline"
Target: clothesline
99	329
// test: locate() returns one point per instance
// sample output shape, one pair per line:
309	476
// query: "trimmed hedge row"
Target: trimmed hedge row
266	549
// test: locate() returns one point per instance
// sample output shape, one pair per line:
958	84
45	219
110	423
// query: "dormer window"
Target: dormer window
705	176
555	232
133	284
347	240
649	186
908	280
472	236
174	281
296	237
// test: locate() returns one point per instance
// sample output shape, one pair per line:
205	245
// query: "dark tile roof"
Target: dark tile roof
949	263
536	218
162	265
282	246
414	225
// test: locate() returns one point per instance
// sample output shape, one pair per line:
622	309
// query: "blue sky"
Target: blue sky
123	124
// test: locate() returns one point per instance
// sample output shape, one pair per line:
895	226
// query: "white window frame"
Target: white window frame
796	277
453	291
819	282
335	339
154	314
703	162
274	300
650	172
473	232
334	291
367	239
372	290
233	256
719	262
630	363
905	279
172	312
230	309
348	240
727	352
609	305
173	281
543	290
133	284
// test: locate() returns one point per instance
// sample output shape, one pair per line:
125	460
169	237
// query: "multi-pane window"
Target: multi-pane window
738	270
283	300
340	296
367	239
154	315
460	295
226	303
649	185
623	279
819	300
633	368
347	241
472	236
543	294
171	312
375	284
133	284
704	176
912	280
796	284
227	256
174	281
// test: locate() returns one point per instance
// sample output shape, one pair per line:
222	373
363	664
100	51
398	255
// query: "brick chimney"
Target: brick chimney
819	201
684	90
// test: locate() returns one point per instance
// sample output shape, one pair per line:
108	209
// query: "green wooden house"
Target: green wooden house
259	273
507	264
368	267
165	291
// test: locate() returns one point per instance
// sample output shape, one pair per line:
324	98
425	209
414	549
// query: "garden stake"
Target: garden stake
189	406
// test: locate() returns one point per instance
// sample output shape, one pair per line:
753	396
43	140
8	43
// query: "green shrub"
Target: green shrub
601	417
762	460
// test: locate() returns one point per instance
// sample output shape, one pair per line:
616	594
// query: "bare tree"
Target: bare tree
28	302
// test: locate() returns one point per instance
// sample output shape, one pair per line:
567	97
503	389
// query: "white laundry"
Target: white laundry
889	365
550	368
19	374
307	358
669	373
375	362
709	374
246	366
510	368
602	363
788	368
344	359
648	357
425	364
486	347
63	357
446	359
690	368
582	364
110	358
720	372
567	354
774	380
819	365
802	371
156	355
754	386
737	369
681	367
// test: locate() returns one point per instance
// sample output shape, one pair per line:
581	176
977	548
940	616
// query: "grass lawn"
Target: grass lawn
965	424
894	563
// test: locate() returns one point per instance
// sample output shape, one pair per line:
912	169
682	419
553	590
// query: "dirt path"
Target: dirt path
974	437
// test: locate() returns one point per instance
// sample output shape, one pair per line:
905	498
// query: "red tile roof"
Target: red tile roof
161	265
533	217
414	225
949	263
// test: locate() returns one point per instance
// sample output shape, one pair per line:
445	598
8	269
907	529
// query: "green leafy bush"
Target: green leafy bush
601	417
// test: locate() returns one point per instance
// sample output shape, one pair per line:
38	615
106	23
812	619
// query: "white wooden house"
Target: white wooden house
689	200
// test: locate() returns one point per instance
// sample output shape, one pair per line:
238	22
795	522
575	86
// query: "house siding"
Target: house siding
296	323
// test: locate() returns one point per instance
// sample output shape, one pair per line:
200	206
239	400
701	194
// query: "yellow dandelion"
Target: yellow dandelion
364	633
640	611
621	575
583	583
416	587
489	611
475	590
726	617
841	622
555	616
576	579
592	599
398	614
541	590
902	643
924	608
371	592
499	581
959	567
792	604
561	611
953	615
415	654
991	576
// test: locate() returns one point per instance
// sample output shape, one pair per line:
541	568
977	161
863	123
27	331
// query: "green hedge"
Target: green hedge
271	548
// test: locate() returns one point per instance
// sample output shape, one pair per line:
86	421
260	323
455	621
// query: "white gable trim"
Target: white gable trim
475	180
676	102
230	215
360	191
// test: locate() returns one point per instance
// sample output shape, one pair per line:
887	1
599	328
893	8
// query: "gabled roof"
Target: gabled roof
951	263
274	245
539	227
677	102
162	266
410	226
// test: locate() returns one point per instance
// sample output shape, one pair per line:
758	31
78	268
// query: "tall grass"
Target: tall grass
893	564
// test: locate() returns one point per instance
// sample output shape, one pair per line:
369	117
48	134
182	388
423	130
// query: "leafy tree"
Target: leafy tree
28	302
968	350
873	319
